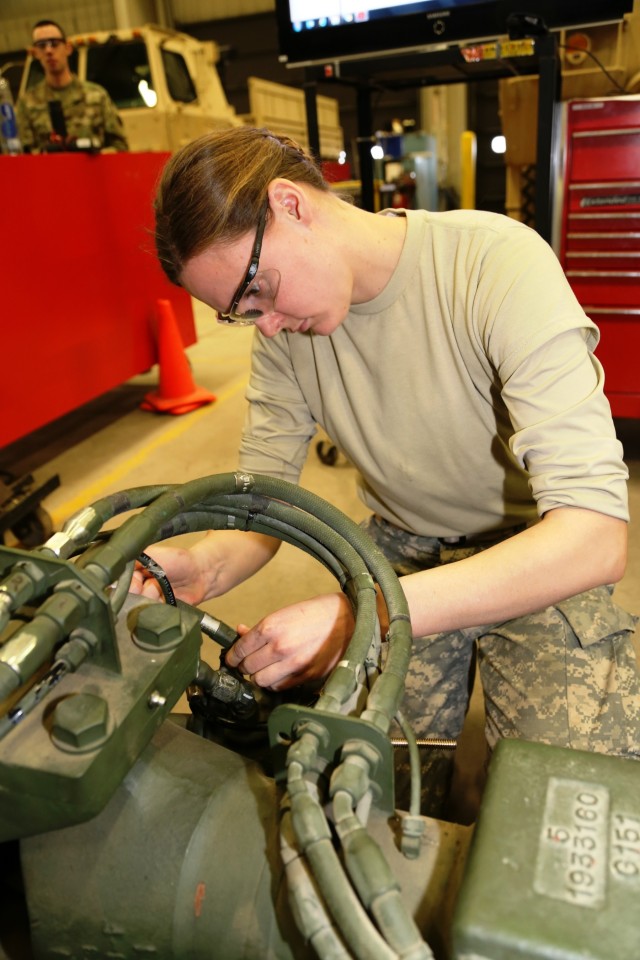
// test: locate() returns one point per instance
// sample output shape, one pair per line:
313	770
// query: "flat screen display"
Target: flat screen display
314	31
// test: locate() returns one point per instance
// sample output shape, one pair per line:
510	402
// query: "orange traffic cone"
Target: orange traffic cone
177	392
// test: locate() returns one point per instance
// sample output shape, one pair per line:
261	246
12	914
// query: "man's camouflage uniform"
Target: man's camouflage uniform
88	111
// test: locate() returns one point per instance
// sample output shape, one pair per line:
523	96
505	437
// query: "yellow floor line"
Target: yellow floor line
65	510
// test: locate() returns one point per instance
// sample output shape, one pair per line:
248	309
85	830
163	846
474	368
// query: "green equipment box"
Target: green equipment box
554	865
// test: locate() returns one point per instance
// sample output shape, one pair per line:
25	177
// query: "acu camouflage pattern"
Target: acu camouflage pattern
565	676
88	112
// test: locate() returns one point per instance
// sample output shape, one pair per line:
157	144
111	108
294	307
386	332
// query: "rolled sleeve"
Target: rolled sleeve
563	431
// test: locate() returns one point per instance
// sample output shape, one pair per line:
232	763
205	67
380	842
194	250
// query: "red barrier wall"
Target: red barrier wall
79	282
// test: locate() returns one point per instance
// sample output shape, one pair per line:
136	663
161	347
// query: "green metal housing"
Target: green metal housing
554	868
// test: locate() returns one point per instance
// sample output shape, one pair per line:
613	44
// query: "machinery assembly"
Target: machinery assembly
264	826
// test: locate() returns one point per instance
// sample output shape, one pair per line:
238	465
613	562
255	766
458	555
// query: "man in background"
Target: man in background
63	112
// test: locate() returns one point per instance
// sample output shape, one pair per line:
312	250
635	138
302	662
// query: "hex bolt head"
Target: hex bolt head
158	626
80	723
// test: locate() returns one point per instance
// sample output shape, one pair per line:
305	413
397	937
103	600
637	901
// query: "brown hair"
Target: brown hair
212	190
49	23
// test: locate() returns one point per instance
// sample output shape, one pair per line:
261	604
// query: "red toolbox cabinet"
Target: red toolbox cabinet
600	235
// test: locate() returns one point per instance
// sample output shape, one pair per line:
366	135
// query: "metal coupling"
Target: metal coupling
412	832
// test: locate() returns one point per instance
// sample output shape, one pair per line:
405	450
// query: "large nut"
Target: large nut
80	723
158	626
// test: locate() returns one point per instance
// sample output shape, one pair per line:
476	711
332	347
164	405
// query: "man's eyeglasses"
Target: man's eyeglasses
53	42
256	295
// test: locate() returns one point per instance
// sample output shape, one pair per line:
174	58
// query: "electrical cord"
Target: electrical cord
609	76
159	576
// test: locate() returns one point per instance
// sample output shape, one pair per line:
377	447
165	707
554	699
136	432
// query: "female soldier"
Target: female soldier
447	356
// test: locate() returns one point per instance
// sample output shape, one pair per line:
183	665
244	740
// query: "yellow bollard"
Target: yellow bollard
468	152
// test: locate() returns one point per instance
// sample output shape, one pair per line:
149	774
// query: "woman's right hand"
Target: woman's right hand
211	566
181	569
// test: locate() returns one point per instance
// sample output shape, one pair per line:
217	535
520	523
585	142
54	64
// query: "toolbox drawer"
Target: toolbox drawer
612	151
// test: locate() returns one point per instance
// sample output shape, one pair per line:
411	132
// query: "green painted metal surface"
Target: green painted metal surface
554	869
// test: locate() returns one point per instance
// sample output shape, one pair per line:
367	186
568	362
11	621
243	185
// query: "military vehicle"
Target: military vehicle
168	90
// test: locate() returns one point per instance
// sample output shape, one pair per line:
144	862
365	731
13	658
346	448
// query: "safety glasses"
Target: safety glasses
256	295
53	42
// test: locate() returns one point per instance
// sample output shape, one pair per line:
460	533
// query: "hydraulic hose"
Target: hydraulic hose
312	918
314	838
414	763
136	533
376	886
216	517
81	528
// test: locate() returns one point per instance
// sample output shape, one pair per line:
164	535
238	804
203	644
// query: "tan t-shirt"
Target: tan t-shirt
465	394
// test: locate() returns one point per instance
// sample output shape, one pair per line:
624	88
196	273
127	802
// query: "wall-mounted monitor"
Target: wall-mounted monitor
317	31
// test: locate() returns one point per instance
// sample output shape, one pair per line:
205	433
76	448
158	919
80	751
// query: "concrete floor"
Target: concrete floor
112	444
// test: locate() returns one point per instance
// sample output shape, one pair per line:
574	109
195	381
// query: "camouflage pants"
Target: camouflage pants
567	675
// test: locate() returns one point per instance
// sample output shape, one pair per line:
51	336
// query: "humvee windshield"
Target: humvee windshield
122	68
